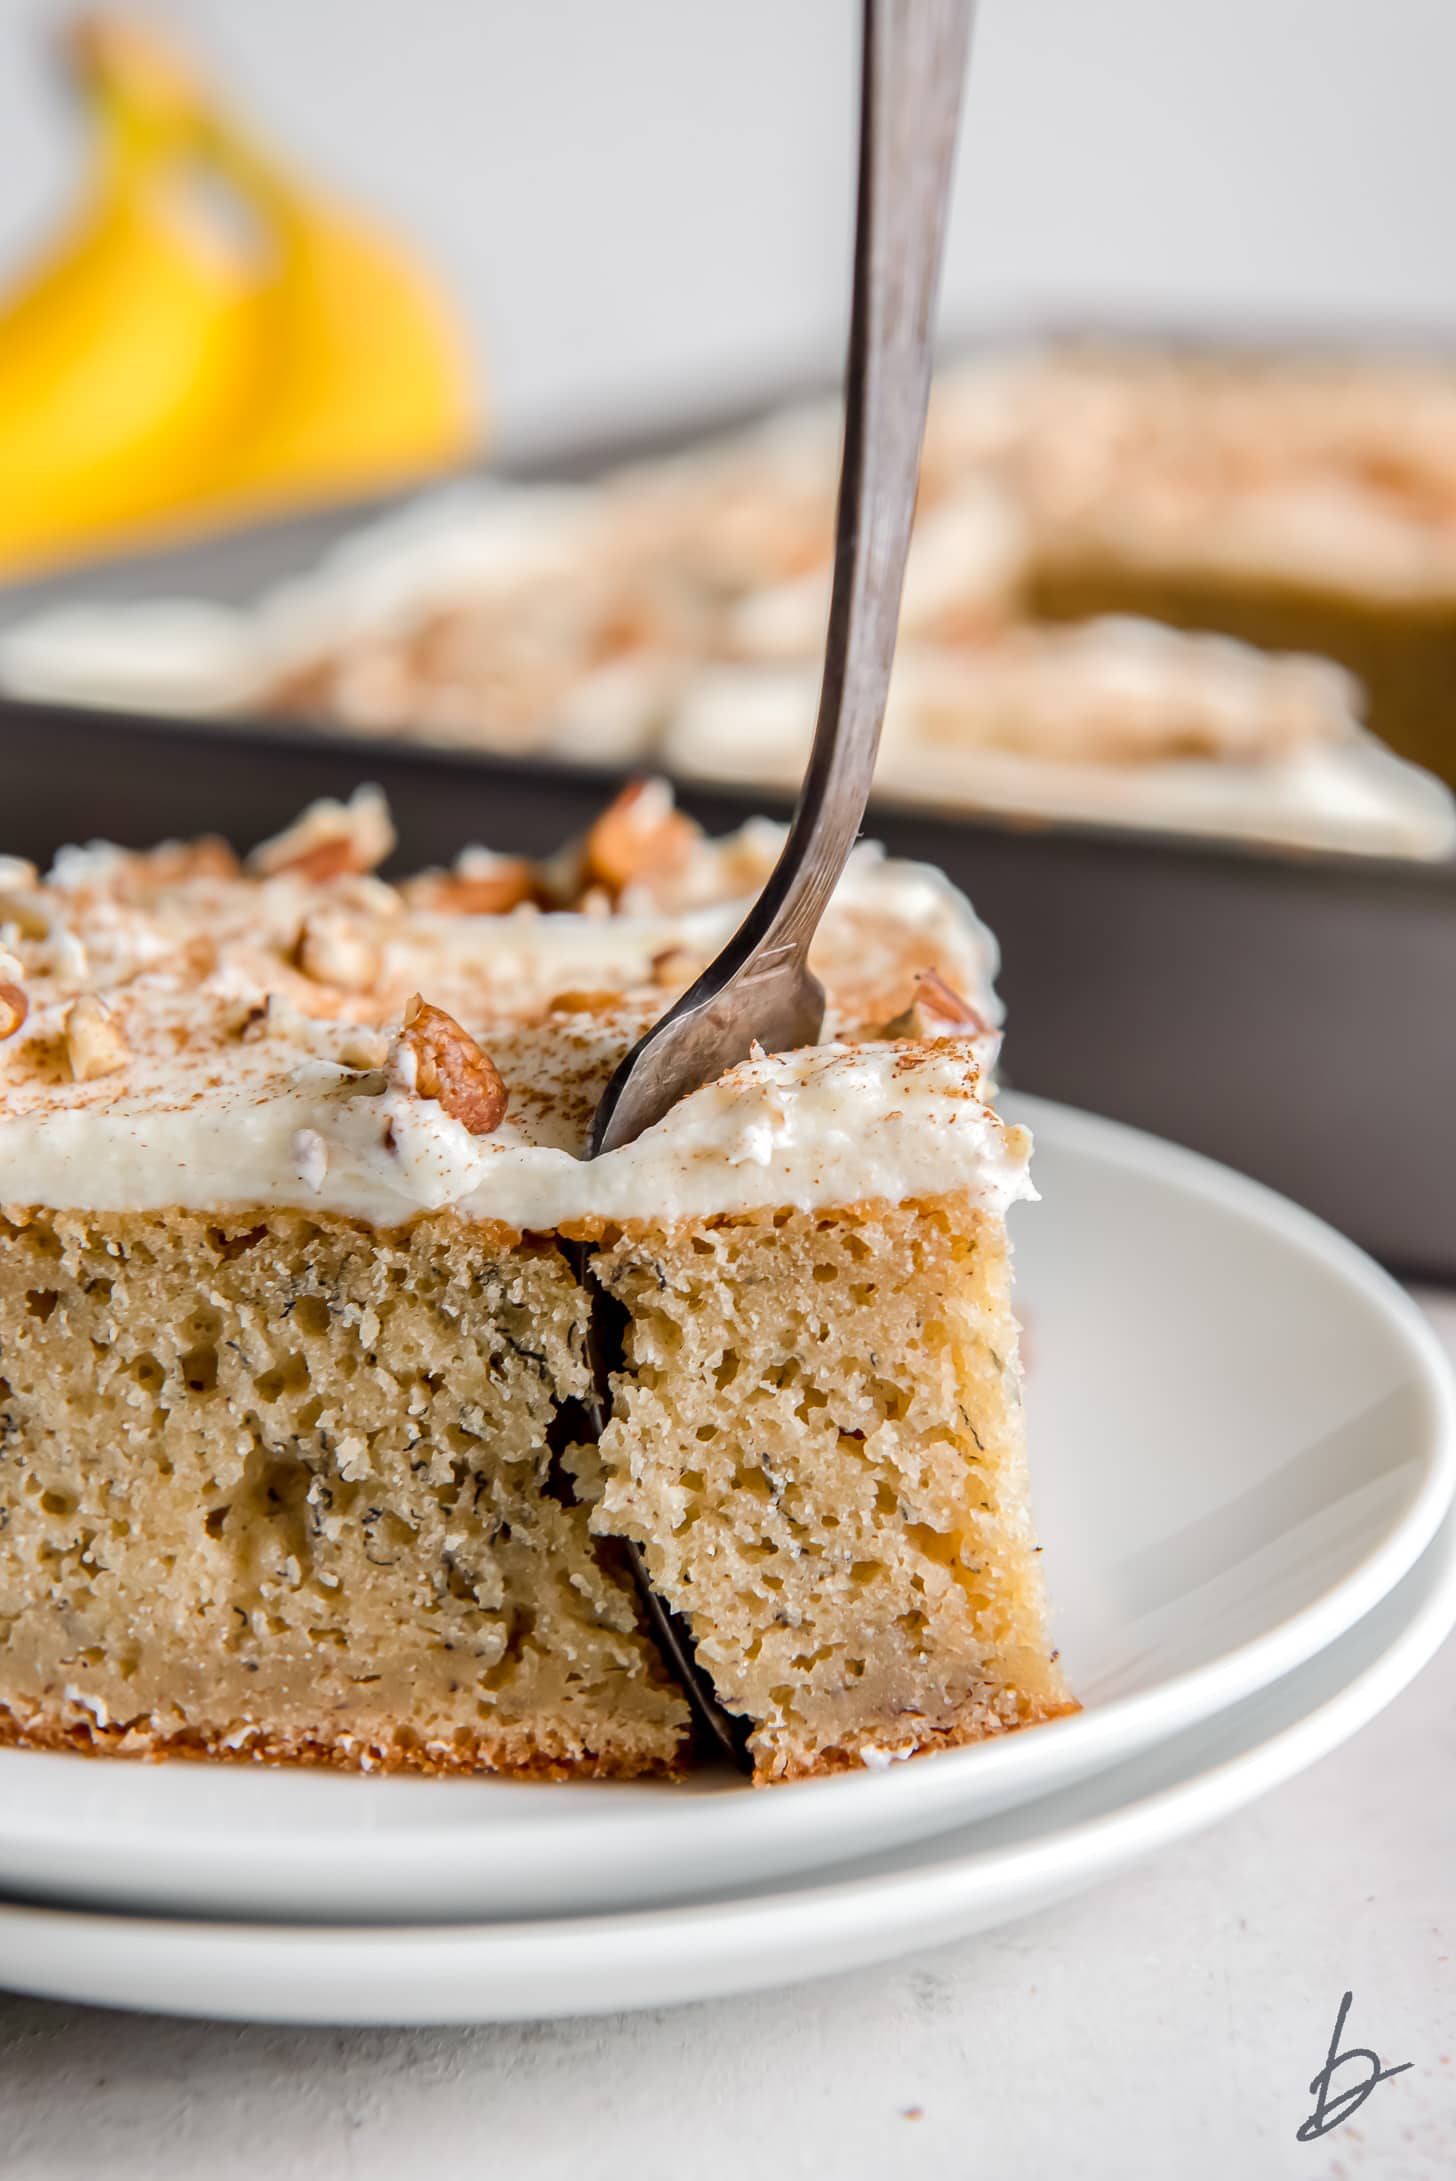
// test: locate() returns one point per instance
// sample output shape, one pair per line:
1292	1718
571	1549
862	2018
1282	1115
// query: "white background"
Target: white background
643	205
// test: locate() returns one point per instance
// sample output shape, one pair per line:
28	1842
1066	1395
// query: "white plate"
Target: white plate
972	1880
1242	1436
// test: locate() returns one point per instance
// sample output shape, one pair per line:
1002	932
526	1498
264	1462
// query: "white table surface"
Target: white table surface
1166	2025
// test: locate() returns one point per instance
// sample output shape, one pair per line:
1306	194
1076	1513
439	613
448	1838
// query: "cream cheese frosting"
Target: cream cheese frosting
835	1124
201	1038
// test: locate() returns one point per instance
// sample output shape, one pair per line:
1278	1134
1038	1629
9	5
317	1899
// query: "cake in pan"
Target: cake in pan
295	1455
1084	511
1118	721
1301	502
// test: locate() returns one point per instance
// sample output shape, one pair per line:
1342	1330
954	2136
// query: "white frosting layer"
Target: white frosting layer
835	1124
247	1047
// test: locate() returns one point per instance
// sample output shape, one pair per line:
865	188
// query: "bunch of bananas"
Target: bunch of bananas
168	365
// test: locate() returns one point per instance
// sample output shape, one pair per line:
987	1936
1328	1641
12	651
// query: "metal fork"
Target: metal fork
761	987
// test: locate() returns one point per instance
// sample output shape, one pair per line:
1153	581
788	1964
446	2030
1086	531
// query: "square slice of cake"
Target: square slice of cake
295	1457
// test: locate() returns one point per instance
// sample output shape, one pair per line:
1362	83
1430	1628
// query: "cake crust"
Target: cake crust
518	1757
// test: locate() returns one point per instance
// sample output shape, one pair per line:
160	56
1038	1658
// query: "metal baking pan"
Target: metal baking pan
1292	1015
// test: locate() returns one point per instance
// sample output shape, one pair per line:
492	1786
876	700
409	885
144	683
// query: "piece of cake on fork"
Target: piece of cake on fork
294	1457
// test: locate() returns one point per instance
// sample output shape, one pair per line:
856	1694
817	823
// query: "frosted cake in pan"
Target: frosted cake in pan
1085	511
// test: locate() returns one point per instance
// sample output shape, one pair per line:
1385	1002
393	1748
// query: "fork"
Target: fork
761	988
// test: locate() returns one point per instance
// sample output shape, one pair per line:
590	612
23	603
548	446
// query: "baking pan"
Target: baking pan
1294	1016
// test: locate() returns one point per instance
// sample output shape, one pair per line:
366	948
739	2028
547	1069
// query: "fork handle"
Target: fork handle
913	71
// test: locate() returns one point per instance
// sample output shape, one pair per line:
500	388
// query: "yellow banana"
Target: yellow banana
127	358
162	367
366	380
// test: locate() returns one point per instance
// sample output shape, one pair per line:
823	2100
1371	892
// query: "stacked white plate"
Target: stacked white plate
1244	1449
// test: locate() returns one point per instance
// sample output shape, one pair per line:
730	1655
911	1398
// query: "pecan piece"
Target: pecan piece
335	858
209	856
492	889
449	1066
936	1010
329	840
94	1044
14	1007
638	836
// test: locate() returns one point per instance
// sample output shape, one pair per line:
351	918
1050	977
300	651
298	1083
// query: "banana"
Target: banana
129	356
167	369
367	380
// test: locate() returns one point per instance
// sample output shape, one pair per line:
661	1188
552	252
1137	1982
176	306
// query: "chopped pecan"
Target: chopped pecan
490	889
936	1010
334	858
329	839
94	1044
14	1007
175	861
449	1066
639	836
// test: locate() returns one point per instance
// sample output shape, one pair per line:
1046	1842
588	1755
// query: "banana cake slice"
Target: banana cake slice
294	1452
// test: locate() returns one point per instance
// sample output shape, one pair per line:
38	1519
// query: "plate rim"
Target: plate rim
935	1901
